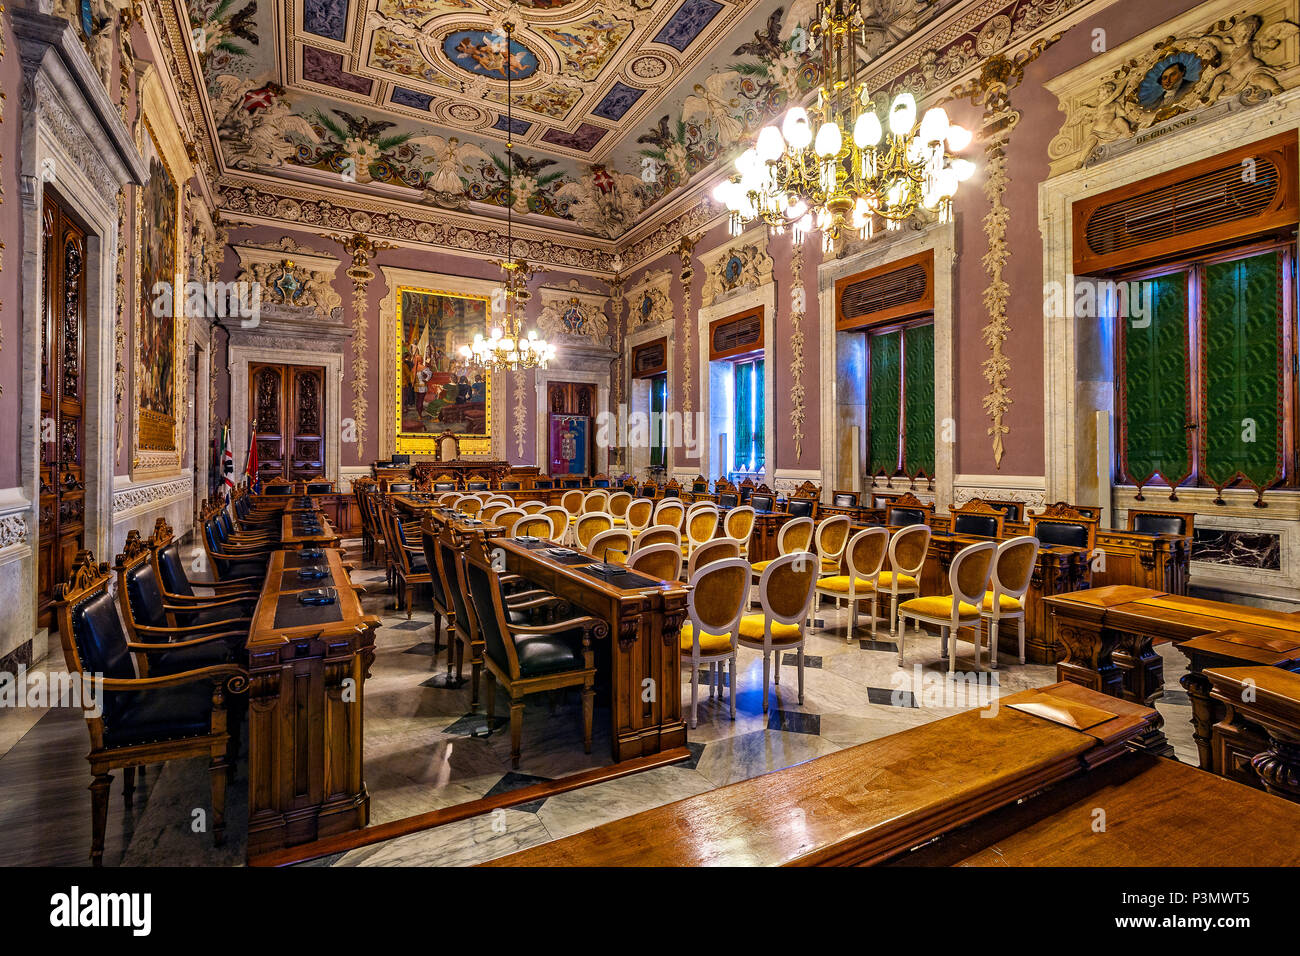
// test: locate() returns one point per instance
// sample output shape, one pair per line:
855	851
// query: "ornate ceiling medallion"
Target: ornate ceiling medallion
480	52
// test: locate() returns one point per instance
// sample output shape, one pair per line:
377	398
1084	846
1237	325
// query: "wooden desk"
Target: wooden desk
1157	813
293	535
639	657
307	668
1106	636
1258	697
867	803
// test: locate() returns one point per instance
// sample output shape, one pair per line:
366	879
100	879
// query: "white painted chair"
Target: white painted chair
1013	571
969	578
785	592
662	561
535	526
588	526
595	501
559	523
739	524
638	515
717	549
907	551
612	546
701	525
532	507
714	609
866	556
658	534
670	511
617	507
507	518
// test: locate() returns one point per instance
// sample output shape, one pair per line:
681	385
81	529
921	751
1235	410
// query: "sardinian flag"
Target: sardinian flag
227	459
250	469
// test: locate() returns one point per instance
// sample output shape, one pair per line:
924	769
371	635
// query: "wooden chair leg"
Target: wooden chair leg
128	785
437	634
491	698
218	778
993	644
1021	622
476	671
776	669
516	730
410	590
99	787
588	710
801	673
695	692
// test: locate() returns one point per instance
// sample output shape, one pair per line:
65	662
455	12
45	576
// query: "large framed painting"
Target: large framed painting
435	392
159	327
569	445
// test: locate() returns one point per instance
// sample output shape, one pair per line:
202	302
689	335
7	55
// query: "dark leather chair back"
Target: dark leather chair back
145	596
511	485
762	503
318	488
101	639
476	486
745	494
672	492
214	544
1159	524
728	499
985	526
571	483
801	507
1062	532
172	568
844	499
441	486
544	484
902	517
600	483
431	558
481	584
399	487
699	487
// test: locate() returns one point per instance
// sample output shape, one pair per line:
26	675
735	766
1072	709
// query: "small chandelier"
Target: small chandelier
854	168
506	348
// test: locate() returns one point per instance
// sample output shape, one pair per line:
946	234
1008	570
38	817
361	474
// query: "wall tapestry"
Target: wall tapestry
158	249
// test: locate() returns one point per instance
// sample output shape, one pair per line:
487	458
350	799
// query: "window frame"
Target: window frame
888	327
757	360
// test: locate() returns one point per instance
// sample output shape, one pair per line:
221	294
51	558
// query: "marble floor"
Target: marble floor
426	749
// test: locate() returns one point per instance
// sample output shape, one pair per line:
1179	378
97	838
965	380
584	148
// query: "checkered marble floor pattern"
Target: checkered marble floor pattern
426	749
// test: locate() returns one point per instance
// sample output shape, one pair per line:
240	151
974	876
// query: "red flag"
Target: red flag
250	469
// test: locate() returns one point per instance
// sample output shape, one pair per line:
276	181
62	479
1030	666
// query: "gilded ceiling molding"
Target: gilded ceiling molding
361	248
992	89
685	248
1118	101
798	306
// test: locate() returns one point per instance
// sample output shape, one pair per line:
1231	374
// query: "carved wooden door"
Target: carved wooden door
62	464
571	398
286	406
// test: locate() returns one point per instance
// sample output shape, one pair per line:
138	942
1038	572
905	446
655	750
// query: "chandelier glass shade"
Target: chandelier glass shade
506	348
835	166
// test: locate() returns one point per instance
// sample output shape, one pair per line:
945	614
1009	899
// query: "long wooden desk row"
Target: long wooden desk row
307	667
1017	787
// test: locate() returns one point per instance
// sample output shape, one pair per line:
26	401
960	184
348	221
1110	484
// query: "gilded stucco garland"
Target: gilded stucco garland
684	250
520	426
798	304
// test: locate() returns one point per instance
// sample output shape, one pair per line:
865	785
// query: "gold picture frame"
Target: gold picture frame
428	385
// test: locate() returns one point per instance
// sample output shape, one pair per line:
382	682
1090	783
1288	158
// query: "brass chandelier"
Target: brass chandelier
835	167
506	348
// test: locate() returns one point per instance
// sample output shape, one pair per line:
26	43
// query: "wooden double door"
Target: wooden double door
62	518
286	413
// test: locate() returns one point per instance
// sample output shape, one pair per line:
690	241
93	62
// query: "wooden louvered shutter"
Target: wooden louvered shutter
650	358
1238	195
736	334
888	293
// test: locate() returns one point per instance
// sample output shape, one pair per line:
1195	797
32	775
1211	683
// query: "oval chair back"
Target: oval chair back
507	518
701	525
670	511
639	513
659	534
559	522
739	524
1013	572
612	546
596	501
795	536
714	607
662	561
716	549
617	504
865	555
785	591
535	526
469	505
907	551
571	501
590	525
449	498
490	510
532	507
503	500
832	537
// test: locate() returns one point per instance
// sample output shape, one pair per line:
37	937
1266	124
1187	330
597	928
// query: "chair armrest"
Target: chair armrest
587	623
190	608
192	629
238	684
192	642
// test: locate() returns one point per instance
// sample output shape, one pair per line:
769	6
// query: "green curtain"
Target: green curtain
743	378
658	402
760	424
1156	384
1242	332
918	400
883	371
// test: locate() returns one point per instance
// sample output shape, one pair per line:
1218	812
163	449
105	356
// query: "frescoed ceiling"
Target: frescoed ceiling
616	103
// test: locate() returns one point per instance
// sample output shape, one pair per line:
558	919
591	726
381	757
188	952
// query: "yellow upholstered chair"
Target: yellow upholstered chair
718	549
714	609
794	537
785	592
662	561
535	526
617	507
612	546
590	525
560	519
969	579
1013	570
638	515
504	500
739	524
448	499
595	501
469	505
659	534
532	507
670	511
490	510
571	501
907	550
866	556
507	518
701	526
832	536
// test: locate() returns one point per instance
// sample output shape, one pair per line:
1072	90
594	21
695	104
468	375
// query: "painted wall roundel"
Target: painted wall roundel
483	53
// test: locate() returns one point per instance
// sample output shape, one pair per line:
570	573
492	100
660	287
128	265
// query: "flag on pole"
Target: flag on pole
250	469
227	459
